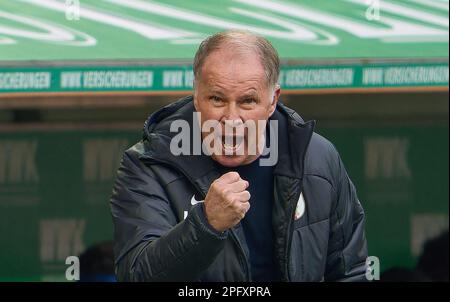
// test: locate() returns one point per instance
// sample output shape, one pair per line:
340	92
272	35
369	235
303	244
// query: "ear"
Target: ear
276	95
195	97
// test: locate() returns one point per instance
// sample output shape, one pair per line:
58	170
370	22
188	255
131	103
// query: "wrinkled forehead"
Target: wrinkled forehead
233	69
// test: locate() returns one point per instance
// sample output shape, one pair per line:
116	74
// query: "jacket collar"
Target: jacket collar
293	139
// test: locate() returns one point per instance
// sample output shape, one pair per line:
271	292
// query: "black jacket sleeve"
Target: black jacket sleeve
347	249
149	243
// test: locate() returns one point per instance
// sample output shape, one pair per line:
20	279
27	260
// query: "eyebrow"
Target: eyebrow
217	92
251	94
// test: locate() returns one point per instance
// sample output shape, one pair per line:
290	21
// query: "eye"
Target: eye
216	99
249	101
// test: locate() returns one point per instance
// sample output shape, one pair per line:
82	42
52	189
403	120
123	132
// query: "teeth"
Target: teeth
230	148
234	144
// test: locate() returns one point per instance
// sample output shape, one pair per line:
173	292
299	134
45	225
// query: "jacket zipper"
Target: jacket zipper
233	233
291	222
241	250
289	234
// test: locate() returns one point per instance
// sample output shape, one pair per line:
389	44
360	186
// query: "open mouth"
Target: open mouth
231	144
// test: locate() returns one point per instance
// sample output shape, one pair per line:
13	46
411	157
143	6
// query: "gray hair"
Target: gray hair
241	41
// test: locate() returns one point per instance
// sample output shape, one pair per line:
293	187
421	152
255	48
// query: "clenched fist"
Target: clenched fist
227	201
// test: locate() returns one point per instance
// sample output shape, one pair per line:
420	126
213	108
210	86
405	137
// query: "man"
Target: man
295	219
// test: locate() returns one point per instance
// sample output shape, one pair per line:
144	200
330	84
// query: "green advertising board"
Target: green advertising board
166	78
128	45
55	186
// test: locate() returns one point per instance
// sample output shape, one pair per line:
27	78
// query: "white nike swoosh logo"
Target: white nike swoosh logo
300	209
194	201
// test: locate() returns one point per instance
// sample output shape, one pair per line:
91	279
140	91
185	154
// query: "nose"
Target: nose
232	115
232	123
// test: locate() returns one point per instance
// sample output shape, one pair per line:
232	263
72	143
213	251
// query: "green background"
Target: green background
64	193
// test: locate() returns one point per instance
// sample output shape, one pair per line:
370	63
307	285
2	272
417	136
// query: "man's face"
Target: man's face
232	89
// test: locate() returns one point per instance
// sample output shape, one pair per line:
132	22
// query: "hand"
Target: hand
227	201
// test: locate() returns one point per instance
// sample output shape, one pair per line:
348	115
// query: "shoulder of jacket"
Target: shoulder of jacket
135	151
133	156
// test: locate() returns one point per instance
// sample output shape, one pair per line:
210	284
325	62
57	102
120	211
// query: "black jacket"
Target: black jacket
154	188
